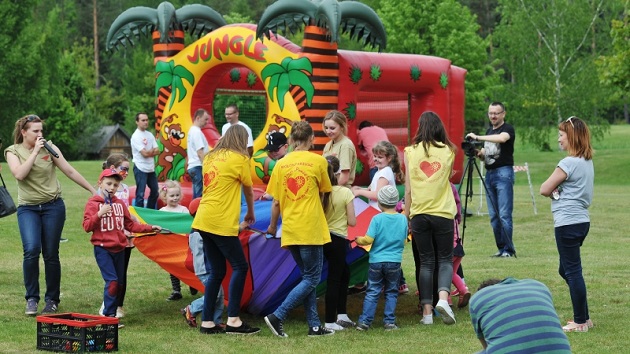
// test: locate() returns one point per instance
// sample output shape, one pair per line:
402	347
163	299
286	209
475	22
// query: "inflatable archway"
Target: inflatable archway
391	90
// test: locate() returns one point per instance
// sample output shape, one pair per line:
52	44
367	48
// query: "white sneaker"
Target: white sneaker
100	311
334	326
427	320
120	312
448	317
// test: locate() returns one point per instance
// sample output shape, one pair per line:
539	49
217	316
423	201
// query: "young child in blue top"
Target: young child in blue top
387	234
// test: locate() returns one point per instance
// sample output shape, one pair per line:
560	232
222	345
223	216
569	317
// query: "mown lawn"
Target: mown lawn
155	325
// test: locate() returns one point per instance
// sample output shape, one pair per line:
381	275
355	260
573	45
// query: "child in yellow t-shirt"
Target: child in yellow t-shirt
339	210
295	184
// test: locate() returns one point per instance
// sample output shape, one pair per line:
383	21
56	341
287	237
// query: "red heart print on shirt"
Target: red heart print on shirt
295	183
430	168
208	177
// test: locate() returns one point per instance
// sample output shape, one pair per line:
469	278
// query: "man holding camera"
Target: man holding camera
498	155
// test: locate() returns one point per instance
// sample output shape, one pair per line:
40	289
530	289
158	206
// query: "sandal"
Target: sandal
589	323
575	327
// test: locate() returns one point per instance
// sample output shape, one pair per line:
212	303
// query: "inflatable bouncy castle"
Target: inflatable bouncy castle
298	82
390	90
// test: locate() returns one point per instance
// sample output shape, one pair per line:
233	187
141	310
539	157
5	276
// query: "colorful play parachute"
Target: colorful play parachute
272	272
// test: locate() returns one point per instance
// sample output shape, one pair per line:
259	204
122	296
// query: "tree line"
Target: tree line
546	60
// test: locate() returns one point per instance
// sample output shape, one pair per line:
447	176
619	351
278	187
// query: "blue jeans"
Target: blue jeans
40	228
384	277
500	184
569	239
112	266
309	259
433	236
197	181
196	307
144	179
218	249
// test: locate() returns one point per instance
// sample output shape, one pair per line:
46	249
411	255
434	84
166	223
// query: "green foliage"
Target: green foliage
235	17
48	64
614	69
549	60
445	29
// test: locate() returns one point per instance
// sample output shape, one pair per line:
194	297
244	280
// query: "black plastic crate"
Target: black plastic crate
77	333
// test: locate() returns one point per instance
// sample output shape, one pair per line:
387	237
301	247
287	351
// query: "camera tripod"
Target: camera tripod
468	175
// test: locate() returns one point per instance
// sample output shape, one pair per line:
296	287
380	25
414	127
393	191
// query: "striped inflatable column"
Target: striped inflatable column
323	56
162	51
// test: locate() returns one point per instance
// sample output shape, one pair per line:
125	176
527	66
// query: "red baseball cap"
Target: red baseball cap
110	172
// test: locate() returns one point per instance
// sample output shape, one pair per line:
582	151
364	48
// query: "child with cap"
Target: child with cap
276	145
107	217
387	234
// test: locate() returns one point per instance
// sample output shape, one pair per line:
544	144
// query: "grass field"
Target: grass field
154	325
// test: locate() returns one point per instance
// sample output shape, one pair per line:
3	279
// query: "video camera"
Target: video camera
470	146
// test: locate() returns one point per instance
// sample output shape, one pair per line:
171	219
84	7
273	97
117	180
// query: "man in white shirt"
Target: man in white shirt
144	147
197	147
231	116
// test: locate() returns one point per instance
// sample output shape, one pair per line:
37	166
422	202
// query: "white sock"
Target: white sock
333	326
343	317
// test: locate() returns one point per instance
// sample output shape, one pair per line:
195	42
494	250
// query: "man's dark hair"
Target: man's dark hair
498	104
364	124
138	115
488	282
233	105
199	113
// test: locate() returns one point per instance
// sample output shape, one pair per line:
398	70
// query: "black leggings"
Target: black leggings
338	277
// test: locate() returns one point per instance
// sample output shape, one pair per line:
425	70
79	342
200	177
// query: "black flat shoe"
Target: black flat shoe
211	330
244	328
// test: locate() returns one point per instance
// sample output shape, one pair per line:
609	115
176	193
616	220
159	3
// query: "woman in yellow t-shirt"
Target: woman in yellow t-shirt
430	204
295	185
225	171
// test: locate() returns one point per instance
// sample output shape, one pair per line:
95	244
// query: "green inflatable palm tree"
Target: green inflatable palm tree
323	19
167	27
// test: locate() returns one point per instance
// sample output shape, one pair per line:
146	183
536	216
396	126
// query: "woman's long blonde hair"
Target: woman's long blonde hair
235	139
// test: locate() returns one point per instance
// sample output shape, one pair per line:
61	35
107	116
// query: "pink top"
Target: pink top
368	137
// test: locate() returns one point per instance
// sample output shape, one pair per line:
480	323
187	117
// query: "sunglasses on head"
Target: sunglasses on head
124	168
570	120
29	119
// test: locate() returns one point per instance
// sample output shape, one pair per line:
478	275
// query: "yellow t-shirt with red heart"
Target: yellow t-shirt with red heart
296	181
219	210
431	191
